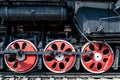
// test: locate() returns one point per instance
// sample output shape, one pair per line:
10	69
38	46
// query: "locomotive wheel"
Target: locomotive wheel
62	62
25	62
101	58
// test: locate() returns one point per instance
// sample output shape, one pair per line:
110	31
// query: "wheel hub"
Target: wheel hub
20	58
59	57
97	56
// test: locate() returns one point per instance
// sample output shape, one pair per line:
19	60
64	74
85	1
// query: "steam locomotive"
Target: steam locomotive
59	34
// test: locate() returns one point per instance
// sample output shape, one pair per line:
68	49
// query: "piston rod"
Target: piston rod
54	52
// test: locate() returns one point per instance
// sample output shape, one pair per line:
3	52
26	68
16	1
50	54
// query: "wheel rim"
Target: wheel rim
101	58
59	63
24	63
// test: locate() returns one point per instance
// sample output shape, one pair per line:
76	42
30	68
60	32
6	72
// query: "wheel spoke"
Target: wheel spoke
50	63
95	68
96	46
12	46
48	58
92	47
103	64
87	49
106	56
49	48
66	58
89	63
67	48
104	51
20	45
64	62
57	66
25	46
17	45
58	44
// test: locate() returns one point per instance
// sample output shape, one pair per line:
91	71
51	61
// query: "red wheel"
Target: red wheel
24	63
59	63
101	58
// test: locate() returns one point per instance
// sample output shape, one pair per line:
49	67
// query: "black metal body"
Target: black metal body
42	21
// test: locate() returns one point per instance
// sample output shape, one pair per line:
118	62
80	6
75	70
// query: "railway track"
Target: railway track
65	76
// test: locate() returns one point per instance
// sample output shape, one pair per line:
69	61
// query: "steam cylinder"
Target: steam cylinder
48	13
